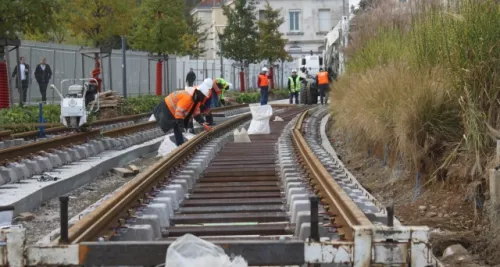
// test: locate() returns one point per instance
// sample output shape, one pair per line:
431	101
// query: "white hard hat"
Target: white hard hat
294	70
205	87
264	69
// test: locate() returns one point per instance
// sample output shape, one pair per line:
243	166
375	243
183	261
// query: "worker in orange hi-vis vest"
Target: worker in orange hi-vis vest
175	111
263	83
323	82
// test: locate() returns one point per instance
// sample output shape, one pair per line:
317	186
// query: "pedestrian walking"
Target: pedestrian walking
263	83
294	86
190	77
43	73
175	111
24	77
323	82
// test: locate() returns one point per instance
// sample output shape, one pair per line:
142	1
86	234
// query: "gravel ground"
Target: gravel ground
47	215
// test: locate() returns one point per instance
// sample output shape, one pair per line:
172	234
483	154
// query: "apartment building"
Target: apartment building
305	26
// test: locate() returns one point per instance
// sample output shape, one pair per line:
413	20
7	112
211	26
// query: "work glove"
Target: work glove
206	127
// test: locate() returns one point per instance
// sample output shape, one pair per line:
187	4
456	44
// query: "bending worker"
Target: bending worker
175	111
323	80
223	86
294	86
211	102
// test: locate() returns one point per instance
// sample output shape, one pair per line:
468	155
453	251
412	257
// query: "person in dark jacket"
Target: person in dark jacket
191	77
43	73
25	79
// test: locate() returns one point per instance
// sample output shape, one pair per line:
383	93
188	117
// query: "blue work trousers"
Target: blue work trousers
264	91
294	95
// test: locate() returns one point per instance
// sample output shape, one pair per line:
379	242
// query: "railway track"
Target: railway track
273	201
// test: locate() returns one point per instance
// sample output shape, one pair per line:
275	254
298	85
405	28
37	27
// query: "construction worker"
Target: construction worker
210	102
323	81
294	86
175	111
263	83
223	86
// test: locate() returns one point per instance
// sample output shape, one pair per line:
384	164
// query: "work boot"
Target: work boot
210	119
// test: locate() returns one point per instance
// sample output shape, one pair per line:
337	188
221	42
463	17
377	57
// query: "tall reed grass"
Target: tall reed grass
423	78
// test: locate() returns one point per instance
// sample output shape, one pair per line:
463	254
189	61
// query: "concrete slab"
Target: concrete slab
29	195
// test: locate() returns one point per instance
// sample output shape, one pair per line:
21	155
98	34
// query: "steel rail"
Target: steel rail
58	128
344	212
108	214
98	221
13	153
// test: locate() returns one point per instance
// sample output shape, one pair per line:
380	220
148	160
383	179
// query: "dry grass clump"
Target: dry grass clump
395	104
423	78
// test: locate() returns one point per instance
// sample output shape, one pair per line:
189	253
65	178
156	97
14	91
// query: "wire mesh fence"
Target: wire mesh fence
67	62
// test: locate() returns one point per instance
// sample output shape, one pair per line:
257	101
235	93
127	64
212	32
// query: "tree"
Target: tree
100	20
57	32
160	27
240	37
21	16
271	43
195	38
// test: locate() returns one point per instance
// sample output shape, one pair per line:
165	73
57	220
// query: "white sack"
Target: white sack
277	118
260	119
152	118
191	251
241	136
168	143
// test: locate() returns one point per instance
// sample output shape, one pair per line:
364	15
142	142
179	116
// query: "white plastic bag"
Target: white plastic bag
241	136
260	119
191	251
168	143
152	118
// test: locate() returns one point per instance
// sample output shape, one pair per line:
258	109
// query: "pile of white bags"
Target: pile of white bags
152	118
241	136
260	119
168	143
191	251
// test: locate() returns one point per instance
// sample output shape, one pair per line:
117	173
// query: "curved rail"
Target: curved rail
340	207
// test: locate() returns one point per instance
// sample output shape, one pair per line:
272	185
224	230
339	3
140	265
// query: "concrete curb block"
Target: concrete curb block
44	191
315	128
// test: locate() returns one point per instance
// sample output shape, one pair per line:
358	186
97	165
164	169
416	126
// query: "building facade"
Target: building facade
306	22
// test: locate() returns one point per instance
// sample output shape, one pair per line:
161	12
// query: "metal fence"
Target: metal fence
67	63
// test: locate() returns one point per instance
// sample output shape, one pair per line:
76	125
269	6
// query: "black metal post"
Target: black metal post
124	66
314	218
390	215
64	239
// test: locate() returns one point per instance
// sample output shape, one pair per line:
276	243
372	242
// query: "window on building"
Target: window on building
262	15
294	20
324	20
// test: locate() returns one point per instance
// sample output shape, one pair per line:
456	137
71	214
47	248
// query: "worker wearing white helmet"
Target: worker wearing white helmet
176	110
263	83
294	86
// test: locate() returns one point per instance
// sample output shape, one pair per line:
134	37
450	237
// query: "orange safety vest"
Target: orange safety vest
263	81
322	78
180	103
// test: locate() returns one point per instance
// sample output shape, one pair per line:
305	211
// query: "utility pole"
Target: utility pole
124	66
221	58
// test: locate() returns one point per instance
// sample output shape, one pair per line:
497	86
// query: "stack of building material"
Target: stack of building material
109	99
